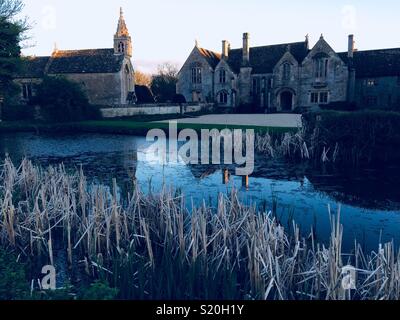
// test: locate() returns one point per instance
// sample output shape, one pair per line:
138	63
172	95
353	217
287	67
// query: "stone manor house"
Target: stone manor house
286	76
107	75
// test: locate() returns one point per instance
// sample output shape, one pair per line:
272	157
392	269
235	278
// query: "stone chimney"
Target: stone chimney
226	47
350	52
246	49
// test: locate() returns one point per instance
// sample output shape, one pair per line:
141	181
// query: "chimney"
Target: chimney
350	53
246	49
226	47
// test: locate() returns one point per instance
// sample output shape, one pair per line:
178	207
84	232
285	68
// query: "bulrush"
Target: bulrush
150	246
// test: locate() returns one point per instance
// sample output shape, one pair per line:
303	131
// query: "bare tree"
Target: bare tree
167	69
164	82
10	8
142	79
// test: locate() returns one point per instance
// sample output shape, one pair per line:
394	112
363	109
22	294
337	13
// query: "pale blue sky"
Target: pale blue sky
165	30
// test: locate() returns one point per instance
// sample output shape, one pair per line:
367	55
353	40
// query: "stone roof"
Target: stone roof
212	58
375	63
33	67
85	61
72	61
264	59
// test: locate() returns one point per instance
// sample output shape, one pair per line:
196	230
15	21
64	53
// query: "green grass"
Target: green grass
121	127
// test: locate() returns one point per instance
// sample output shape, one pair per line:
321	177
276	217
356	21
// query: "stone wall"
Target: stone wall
101	89
335	83
384	90
151	109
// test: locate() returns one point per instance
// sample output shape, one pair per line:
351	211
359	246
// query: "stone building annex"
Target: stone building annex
107	75
286	76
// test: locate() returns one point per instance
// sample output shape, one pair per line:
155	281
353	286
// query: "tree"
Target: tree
164	82
61	100
12	33
142	79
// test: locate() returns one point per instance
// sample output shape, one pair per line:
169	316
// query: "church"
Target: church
288	76
106	75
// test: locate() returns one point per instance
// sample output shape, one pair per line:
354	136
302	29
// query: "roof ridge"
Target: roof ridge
372	50
274	45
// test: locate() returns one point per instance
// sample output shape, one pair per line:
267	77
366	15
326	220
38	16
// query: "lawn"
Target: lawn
121	126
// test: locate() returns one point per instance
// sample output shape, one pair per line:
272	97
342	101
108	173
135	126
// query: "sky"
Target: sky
166	30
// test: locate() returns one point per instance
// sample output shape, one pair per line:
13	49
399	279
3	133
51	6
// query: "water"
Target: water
369	199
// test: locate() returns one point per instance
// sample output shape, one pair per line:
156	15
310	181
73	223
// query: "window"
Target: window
321	68
27	91
319	97
371	101
286	71
323	97
196	75
223	97
372	82
222	76
314	97
270	83
121	47
256	86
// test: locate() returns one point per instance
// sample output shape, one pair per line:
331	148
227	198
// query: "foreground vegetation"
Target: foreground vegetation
150	246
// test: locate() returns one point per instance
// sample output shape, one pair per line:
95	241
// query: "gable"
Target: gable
321	50
287	57
202	55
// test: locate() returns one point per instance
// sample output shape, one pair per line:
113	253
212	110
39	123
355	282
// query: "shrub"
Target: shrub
62	100
179	98
340	106
99	291
13	282
369	136
17	112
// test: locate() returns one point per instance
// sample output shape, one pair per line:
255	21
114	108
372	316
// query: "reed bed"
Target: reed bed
296	146
150	246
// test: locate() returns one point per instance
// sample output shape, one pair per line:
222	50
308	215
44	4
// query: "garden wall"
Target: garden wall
151	109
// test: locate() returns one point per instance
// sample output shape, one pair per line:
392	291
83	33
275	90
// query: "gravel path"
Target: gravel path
262	120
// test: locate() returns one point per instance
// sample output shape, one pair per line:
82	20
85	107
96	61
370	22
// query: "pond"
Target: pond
369	199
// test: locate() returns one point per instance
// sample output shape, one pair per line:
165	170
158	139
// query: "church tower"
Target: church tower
122	39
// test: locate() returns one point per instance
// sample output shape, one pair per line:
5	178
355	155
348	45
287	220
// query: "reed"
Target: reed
150	246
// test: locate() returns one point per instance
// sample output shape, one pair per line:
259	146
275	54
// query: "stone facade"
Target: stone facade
106	75
288	76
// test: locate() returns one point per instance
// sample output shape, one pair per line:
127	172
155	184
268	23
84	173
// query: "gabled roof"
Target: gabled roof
212	58
375	63
85	61
72	61
33	67
264	59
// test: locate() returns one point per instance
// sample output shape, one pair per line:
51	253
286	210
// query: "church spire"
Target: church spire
122	39
122	29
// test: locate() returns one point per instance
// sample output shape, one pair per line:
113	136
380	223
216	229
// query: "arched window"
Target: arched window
286	71
222	76
223	97
121	47
321	68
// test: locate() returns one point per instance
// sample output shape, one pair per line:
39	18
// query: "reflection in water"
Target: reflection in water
370	200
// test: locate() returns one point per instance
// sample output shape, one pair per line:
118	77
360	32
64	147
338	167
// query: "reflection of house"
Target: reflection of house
105	74
291	75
